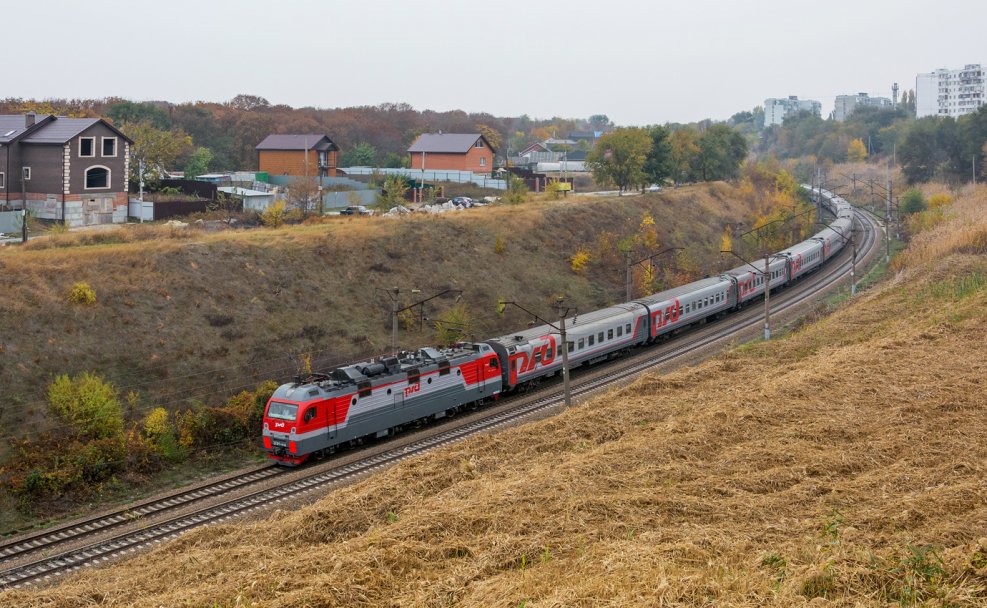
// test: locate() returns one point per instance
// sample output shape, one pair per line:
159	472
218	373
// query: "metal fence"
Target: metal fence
11	222
459	177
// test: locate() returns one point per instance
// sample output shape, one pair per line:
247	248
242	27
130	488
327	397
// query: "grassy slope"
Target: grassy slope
178	319
819	465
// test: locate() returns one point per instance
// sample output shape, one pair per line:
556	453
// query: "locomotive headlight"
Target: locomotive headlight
292	430
266	428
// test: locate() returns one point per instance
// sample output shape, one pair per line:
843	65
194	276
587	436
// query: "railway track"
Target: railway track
54	563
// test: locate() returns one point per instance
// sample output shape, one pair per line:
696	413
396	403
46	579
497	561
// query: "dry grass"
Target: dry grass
842	466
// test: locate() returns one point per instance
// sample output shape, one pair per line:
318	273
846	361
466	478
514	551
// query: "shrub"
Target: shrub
81	293
88	403
499	246
274	216
938	201
912	202
580	260
517	191
453	324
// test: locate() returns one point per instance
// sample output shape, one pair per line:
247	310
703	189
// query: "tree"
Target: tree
198	162
517	190
89	403
619	157
360	155
248	102
154	150
303	194
685	150
660	163
128	111
491	135
393	191
912	201
600	122
856	152
721	150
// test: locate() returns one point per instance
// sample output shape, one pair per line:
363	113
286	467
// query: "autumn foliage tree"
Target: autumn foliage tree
619	158
856	152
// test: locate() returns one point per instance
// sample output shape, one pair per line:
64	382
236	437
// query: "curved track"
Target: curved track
14	555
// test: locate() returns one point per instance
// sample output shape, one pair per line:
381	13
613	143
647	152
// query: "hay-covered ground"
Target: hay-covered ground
844	465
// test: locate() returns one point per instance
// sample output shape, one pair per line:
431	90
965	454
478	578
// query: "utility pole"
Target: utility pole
973	163
23	205
563	312
767	297
627	279
394	320
887	222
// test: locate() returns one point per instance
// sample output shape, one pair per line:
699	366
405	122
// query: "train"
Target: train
317	413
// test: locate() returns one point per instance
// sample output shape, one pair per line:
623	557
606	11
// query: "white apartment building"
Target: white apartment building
950	92
846	104
776	110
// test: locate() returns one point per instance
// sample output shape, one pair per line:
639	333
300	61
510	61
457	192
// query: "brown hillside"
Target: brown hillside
200	316
841	466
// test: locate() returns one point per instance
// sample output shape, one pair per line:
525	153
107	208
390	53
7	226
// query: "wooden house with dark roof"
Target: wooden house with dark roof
68	169
305	155
452	152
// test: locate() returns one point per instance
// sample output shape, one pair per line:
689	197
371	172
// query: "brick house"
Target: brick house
298	155
70	169
452	152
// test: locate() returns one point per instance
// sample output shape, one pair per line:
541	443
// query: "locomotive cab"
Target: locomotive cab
280	428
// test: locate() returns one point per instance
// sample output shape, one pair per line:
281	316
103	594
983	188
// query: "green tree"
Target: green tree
454	325
392	192
89	403
619	157
198	162
912	201
157	148
721	150
685	150
130	112
360	155
517	190
660	163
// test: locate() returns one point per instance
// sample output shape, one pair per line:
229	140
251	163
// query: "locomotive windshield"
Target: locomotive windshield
282	411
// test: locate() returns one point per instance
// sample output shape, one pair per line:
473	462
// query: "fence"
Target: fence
11	222
191	186
438	175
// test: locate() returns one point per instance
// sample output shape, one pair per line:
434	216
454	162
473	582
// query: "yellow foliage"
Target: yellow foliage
156	423
580	260
82	293
274	216
499	246
940	200
856	152
648	232
305	363
726	241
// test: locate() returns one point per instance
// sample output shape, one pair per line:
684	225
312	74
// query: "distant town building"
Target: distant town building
306	155
846	104
452	151
776	110
950	92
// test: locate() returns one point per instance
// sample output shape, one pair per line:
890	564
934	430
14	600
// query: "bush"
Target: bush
88	403
517	191
81	293
274	216
912	202
580	260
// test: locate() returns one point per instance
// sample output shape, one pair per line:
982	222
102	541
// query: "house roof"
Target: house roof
48	129
304	141
12	126
457	143
537	146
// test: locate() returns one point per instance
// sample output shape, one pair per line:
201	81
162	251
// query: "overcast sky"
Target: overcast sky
639	62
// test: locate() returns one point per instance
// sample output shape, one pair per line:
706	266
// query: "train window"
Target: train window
538	357
414	377
582	344
354	401
549	353
443	368
609	334
627	328
494	364
388	391
309	414
599	336
620	330
592	340
514	365
365	389
570	346
429	380
459	372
